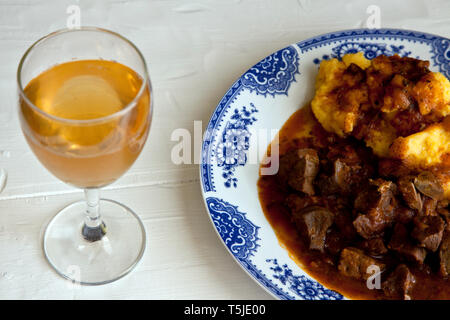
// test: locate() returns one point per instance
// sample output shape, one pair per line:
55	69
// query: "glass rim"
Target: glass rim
122	111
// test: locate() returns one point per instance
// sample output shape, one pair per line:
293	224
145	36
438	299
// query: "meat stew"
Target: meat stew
338	210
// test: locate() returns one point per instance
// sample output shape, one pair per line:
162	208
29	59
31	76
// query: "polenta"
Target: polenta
382	100
427	148
396	105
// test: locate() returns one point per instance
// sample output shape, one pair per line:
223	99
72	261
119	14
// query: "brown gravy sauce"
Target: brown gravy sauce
296	132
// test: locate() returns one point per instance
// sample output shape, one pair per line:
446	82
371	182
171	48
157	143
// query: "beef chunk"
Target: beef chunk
444	256
298	168
427	183
409	192
354	263
402	244
366	227
428	231
374	247
376	206
315	221
429	206
399	283
343	175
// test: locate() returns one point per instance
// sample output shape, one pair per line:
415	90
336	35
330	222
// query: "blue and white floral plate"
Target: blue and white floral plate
261	100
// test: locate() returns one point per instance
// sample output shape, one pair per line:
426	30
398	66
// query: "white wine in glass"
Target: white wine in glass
85	106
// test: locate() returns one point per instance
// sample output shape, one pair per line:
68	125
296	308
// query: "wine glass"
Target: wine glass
85	108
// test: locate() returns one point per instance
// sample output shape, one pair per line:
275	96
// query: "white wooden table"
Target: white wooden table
195	50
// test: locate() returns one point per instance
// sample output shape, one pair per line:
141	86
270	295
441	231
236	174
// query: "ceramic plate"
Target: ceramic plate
255	106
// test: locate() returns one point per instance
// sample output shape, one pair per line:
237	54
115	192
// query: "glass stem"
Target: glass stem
94	228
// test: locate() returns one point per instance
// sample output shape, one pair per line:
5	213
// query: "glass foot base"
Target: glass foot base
94	262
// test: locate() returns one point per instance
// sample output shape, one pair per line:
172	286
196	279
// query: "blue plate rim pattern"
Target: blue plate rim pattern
238	233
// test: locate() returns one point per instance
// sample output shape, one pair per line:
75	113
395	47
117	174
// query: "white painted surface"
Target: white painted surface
195	50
